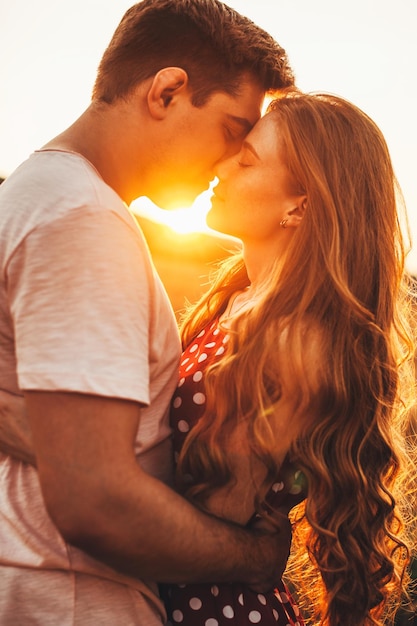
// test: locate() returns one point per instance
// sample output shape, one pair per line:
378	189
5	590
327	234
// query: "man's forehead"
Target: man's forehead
248	111
242	110
249	103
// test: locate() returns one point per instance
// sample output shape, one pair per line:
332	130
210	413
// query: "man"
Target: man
89	338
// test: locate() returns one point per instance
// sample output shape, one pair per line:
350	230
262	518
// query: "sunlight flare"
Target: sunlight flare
182	220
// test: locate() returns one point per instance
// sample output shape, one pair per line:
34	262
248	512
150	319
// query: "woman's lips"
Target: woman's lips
216	196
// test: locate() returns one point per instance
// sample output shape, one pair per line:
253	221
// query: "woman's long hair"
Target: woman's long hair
343	273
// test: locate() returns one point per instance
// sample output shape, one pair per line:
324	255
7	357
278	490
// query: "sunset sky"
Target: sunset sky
364	50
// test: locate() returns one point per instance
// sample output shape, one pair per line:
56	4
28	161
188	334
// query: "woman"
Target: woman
298	370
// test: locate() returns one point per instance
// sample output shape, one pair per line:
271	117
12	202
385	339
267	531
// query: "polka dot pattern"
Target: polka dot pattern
199	398
183	426
195	604
189	400
228	611
177	402
217	604
177	616
230	605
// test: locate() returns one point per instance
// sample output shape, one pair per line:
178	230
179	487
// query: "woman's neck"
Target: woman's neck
259	259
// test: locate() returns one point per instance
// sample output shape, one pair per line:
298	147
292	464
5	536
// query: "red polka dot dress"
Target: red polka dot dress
218	604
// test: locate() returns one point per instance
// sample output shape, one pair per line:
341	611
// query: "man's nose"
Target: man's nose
222	167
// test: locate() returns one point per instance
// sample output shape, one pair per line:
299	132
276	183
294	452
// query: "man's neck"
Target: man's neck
97	136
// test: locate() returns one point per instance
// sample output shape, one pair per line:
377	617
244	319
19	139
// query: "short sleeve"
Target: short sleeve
79	290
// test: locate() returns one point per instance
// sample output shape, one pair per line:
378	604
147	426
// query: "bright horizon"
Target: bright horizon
363	50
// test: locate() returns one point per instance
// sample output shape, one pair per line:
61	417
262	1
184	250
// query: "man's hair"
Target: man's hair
214	44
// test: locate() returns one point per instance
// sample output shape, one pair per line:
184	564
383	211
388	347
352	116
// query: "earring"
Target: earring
283	223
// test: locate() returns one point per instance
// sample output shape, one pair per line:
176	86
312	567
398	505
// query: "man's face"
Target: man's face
195	140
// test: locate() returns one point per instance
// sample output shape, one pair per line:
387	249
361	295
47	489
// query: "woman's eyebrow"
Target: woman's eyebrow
249	146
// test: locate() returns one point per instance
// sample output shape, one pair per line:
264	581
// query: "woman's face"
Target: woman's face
255	190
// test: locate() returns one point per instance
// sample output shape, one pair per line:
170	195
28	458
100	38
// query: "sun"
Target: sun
182	220
188	220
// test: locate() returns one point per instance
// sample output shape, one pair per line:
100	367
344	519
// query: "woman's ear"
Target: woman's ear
295	214
166	85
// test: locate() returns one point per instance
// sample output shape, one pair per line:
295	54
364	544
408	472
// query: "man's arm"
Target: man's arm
15	435
102	502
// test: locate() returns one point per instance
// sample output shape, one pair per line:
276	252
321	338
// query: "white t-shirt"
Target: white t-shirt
81	309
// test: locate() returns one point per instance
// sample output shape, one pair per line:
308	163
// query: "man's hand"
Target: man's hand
77	457
277	534
103	502
15	435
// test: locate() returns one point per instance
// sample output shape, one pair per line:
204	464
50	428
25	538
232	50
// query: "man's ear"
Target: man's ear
165	86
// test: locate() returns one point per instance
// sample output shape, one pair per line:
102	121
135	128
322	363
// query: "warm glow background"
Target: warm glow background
364	50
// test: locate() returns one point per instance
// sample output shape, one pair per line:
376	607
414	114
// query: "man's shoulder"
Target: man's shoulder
52	183
54	187
60	176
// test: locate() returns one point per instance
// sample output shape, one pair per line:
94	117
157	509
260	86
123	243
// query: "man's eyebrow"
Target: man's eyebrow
242	121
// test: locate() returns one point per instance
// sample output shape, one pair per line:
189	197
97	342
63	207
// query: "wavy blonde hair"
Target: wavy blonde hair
343	273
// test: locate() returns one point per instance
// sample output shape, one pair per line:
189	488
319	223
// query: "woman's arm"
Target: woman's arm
235	501
301	387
